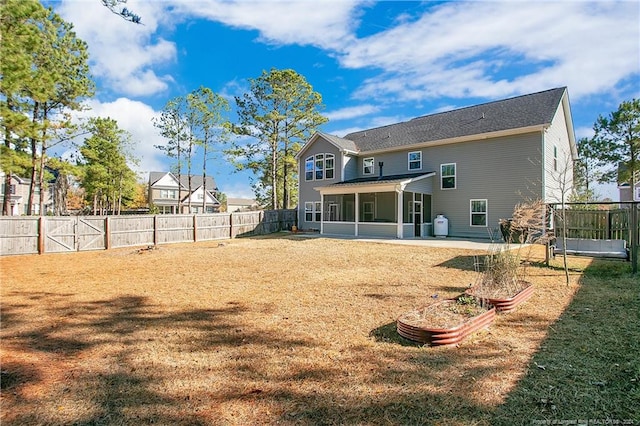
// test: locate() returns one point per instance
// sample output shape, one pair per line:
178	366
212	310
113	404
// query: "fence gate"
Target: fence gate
60	234
90	233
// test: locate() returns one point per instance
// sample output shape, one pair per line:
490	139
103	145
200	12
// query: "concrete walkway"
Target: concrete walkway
448	242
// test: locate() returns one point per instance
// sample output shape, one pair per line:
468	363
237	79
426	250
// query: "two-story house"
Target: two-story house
19	196
165	190
470	165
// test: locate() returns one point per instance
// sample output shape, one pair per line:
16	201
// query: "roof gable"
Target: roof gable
163	179
344	145
211	199
169	179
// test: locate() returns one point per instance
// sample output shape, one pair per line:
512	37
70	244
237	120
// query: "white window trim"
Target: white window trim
364	167
455	176
485	212
308	209
313	168
409	161
313	159
333	169
317	209
318	157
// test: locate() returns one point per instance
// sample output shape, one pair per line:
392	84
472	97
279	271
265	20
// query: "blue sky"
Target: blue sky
373	62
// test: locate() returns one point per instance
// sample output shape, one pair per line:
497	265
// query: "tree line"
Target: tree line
45	77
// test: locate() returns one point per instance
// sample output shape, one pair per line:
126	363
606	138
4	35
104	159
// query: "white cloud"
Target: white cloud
326	24
352	112
122	53
475	49
136	118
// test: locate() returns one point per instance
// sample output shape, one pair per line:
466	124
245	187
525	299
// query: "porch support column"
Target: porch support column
321	213
357	213
399	219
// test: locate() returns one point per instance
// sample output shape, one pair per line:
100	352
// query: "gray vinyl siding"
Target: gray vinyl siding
423	186
338	228
558	176
350	167
306	192
394	163
503	171
384	230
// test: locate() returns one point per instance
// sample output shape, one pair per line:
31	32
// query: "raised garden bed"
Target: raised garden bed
443	323
505	304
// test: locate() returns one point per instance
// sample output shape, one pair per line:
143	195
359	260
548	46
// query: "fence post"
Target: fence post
155	230
195	228
261	225
635	236
230	225
107	233
41	236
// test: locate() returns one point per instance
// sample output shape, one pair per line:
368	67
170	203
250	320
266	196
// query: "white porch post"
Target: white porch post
321	213
357	212
399	230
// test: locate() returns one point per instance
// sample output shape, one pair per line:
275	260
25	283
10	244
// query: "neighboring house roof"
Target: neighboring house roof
156	176
211	199
196	181
241	201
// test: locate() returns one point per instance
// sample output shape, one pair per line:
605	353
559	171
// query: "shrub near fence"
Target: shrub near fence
56	234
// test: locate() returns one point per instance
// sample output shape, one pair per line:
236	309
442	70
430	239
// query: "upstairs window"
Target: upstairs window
448	176
168	194
555	158
367	166
329	165
319	166
415	160
308	168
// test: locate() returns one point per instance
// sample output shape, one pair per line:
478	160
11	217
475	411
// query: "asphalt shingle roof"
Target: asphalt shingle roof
196	181
344	144
381	180
535	109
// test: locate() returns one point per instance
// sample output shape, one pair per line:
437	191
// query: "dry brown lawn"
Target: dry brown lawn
271	330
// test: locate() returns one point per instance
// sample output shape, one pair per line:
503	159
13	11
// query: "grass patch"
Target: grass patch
588	367
287	330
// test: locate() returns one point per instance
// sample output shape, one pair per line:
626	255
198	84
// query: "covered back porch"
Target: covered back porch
388	206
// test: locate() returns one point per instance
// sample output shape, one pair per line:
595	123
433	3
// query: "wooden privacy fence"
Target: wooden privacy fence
56	234
612	224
